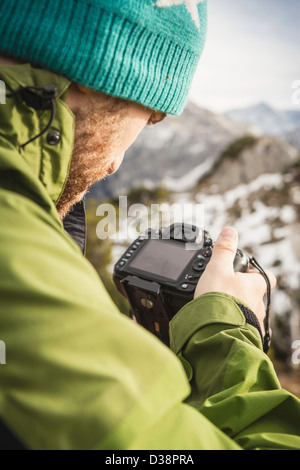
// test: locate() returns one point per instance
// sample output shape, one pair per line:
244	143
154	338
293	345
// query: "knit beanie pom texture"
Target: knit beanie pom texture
142	50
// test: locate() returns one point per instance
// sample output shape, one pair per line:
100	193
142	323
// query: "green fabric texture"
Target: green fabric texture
78	373
143	50
43	172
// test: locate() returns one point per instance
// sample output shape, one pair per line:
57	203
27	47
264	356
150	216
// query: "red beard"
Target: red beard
98	127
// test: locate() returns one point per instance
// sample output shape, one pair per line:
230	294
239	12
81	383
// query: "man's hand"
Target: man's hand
219	276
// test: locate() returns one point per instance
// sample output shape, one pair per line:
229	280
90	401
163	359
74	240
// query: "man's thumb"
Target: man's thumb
224	250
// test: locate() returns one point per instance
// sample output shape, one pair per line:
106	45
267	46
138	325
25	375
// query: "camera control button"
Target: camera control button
121	263
207	252
128	255
208	242
199	266
188	287
194	278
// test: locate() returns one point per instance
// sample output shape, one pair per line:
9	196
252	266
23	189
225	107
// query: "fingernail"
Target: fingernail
228	232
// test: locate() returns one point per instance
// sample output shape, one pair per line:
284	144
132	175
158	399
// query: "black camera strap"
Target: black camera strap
40	99
267	336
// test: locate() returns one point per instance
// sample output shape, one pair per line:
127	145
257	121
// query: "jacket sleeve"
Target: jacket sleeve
233	382
79	375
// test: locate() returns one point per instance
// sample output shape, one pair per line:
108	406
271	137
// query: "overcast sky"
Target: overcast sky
251	55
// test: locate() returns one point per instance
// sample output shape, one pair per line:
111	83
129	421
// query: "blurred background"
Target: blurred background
236	150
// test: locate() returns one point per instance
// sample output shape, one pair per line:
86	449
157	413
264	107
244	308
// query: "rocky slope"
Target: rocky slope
248	158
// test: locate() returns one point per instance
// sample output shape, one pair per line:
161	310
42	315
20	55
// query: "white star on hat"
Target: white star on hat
191	6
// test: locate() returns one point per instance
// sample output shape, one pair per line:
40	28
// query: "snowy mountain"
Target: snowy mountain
255	156
267	120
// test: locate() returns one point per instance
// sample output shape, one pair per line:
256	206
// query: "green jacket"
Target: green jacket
80	375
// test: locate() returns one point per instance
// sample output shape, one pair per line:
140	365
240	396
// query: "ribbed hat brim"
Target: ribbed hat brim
100	49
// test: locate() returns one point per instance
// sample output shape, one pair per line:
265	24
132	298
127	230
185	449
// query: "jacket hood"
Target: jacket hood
39	170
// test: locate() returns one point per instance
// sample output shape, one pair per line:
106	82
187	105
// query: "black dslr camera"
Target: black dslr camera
159	272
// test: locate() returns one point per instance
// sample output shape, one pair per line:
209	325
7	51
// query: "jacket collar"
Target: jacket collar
46	166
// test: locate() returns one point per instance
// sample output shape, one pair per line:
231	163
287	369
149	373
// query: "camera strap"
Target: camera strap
267	336
40	99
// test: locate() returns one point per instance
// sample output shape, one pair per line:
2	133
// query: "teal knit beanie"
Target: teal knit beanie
142	50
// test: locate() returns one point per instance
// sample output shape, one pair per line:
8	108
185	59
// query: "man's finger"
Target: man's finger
224	250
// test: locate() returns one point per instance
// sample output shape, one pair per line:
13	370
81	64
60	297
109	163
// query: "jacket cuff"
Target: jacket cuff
207	309
250	317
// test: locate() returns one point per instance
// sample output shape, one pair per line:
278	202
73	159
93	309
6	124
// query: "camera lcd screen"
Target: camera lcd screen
163	258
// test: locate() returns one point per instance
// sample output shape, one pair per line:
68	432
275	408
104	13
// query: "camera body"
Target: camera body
159	272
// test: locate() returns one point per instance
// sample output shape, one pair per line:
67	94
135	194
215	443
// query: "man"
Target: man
78	374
